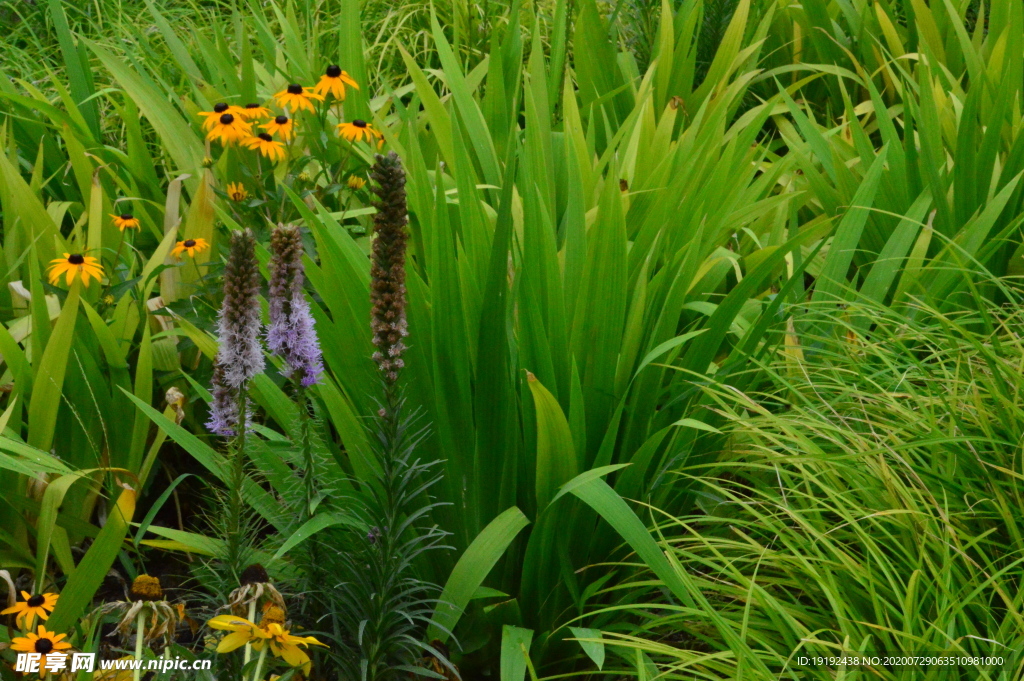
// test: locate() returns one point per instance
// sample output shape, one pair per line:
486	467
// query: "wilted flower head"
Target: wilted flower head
254	586
240	356
147	597
387	268
292	333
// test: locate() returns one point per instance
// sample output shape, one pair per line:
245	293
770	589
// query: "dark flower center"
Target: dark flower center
44	645
358	123
295	89
227	119
74	259
189	243
127	216
333	71
36	601
252	106
281	120
265	137
254	574
220	108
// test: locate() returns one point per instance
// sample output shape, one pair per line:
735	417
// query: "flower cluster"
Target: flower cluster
271	634
255	126
291	334
240	356
38	639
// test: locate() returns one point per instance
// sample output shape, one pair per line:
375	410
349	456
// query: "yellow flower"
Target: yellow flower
297	98
75	263
286	646
270	631
355	182
282	126
40	605
358	130
229	128
253	111
218	111
191	246
242	631
125	221
267	146
42	641
236	191
333	82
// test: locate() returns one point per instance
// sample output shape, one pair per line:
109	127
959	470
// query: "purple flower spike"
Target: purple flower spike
240	356
292	332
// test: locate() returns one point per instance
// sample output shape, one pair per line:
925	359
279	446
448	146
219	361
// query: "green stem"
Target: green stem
140	627
237	478
305	443
248	646
257	673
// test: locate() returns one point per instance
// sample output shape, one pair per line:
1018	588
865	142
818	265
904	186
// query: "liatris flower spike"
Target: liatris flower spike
240	356
387	268
291	334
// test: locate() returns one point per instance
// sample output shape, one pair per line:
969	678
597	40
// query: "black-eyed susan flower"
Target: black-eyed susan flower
229	128
251	112
270	632
355	182
218	111
242	631
236	191
75	264
333	82
125	221
266	145
297	98
40	605
359	130
282	126
190	246
40	641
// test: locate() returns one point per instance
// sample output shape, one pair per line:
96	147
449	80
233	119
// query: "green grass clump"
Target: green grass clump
866	503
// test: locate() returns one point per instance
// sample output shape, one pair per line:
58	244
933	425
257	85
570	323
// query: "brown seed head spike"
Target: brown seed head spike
387	268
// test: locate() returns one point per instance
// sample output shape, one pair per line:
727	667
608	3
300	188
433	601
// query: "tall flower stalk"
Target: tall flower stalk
239	360
383	605
291	335
387	275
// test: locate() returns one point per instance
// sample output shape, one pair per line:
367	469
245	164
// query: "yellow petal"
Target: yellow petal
233	641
